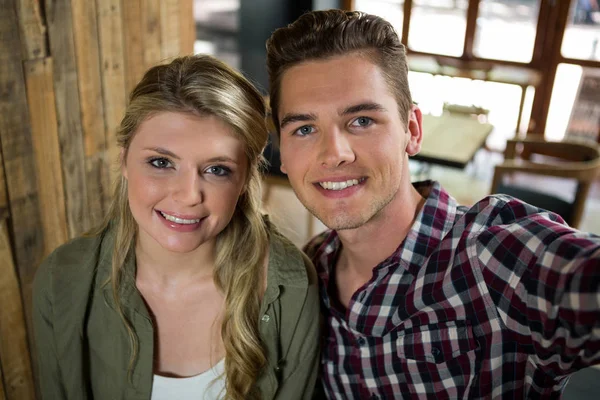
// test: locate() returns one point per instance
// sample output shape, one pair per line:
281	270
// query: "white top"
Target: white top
205	386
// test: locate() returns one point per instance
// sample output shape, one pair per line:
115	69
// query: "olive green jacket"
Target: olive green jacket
83	348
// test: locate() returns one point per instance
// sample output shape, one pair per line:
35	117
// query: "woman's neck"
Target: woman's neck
171	269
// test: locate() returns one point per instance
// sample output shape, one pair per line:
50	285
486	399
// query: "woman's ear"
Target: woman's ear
415	131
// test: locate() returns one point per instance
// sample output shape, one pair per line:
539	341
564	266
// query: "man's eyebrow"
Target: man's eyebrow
289	118
363	107
163	151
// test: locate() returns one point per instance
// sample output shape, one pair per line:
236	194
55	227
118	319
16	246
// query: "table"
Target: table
451	140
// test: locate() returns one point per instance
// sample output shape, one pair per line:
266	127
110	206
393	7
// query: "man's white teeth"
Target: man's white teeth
338	185
179	220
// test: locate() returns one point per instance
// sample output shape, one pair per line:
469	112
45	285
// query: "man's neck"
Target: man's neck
365	247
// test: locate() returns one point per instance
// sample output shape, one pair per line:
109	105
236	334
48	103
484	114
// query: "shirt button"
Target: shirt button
374	396
435	352
361	341
265	318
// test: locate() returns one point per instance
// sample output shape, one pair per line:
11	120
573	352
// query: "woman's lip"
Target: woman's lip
180	216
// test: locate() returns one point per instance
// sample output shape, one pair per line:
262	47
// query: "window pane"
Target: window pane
583	31
564	92
502	101
391	10
217	29
438	26
506	29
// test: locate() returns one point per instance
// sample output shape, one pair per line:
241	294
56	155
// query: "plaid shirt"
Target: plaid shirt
499	300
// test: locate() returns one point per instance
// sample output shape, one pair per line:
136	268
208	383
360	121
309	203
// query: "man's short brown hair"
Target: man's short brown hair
318	35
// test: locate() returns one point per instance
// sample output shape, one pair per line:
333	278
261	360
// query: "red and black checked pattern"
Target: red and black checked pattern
499	300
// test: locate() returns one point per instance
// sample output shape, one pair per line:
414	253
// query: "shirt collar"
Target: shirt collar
433	222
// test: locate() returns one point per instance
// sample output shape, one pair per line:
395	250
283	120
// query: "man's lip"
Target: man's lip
180	216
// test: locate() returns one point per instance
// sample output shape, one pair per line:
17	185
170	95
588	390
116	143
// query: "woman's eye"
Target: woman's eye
160	163
362	121
304	130
218	170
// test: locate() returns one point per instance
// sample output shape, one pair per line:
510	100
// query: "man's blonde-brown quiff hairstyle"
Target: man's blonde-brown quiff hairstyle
202	86
319	35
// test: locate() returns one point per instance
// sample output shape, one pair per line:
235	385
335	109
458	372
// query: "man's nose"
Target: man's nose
335	149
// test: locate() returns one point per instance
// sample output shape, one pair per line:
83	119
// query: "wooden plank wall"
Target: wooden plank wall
66	68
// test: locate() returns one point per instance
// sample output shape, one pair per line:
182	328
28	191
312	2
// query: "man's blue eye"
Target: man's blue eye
362	121
160	163
304	130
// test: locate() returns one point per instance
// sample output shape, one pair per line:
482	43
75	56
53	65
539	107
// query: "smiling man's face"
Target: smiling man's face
343	143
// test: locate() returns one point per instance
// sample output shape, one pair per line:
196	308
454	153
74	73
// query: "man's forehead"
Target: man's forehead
333	84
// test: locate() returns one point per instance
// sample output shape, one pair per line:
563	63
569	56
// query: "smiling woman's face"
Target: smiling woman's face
185	175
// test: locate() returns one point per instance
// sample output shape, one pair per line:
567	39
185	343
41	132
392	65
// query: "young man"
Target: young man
423	298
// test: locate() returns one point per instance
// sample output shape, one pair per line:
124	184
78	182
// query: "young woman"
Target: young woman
186	291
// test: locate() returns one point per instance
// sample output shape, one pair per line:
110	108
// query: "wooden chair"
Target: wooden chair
577	161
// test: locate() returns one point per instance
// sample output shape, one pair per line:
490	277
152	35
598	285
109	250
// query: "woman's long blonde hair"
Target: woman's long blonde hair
202	85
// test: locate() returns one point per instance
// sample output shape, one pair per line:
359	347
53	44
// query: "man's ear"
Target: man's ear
415	131
122	163
283	169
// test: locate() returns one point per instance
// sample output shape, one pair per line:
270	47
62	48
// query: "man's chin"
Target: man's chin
340	222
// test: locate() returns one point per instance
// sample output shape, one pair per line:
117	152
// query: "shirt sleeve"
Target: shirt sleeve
45	354
544	278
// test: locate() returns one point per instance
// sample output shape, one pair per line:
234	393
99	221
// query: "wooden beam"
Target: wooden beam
169	29
406	22
472	12
110	26
347	5
62	46
89	79
4	208
134	43
558	13
2	394
152	32
33	29
187	27
46	152
19	166
14	352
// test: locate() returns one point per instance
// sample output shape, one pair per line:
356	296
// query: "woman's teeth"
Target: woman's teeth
179	220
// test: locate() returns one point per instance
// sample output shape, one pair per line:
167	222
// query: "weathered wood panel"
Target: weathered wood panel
87	54
14	353
169	29
68	112
110	24
46	152
134	43
17	151
33	30
187	27
4	211
2	395
152	32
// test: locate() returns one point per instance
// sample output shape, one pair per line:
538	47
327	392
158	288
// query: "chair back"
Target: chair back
579	161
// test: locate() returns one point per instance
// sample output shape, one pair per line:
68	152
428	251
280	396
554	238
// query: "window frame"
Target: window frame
551	25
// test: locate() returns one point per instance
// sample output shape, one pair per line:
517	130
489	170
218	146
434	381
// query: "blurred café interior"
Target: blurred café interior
509	89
